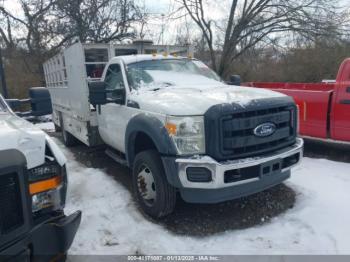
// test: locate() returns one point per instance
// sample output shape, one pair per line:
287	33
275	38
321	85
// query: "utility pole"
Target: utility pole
3	87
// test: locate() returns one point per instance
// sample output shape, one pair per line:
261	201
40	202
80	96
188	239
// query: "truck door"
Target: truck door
341	105
112	119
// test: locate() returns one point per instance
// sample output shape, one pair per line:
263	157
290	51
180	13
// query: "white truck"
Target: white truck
33	186
176	124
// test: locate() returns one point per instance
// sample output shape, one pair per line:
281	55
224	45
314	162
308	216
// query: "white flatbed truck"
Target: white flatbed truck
176	124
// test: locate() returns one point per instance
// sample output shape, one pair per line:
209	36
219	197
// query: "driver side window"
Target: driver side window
114	79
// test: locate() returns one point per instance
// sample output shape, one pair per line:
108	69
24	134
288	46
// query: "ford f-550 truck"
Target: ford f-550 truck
324	107
33	185
176	125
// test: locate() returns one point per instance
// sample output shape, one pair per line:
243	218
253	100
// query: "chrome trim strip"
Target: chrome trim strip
218	168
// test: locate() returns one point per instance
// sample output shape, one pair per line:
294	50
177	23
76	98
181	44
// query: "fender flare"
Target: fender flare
154	129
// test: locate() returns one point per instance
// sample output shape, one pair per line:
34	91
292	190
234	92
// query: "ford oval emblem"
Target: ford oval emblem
265	129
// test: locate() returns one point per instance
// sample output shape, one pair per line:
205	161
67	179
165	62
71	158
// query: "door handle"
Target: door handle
348	89
345	102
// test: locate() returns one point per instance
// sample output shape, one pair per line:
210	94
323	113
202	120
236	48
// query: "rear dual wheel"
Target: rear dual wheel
154	194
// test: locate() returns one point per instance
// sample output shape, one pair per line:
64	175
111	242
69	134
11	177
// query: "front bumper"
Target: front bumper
235	178
46	241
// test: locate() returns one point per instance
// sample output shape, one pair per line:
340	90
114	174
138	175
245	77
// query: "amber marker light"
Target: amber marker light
171	128
44	185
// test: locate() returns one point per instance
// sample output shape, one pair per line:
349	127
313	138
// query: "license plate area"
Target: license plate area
271	168
259	171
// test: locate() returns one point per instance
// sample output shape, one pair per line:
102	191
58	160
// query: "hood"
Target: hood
16	133
196	100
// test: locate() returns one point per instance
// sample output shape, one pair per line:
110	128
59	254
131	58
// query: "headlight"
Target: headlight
51	200
48	185
187	134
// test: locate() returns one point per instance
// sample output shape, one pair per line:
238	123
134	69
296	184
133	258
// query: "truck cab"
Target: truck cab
33	185
182	130
340	111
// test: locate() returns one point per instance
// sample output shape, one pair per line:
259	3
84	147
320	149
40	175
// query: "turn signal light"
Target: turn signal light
44	185
171	128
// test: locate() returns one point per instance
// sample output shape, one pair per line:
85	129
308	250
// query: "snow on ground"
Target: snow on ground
111	224
318	224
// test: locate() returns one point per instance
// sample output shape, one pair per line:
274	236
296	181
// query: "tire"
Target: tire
68	139
157	198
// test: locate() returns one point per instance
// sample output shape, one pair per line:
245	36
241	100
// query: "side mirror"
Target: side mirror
40	100
235	80
97	93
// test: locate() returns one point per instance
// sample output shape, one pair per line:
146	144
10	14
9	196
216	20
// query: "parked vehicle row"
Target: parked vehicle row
169	118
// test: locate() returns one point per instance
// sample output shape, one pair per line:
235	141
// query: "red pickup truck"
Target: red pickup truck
324	108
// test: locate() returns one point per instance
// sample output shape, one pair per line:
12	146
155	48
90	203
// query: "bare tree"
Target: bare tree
252	21
31	36
195	9
99	20
49	24
6	36
41	29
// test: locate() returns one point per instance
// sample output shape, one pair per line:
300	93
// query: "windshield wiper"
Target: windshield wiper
160	85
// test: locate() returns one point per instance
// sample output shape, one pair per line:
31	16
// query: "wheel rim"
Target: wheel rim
146	185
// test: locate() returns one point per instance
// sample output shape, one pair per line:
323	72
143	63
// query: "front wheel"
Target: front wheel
155	195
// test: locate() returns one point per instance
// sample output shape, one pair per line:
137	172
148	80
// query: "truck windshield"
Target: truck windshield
155	74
